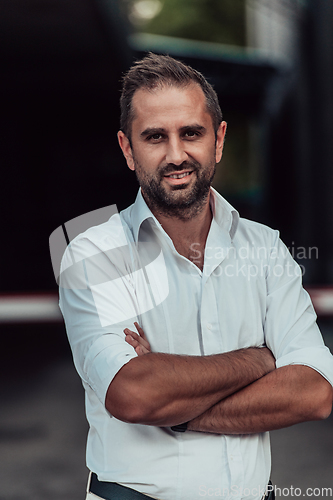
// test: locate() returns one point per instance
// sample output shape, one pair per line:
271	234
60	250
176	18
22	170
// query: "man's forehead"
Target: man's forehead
153	94
168	99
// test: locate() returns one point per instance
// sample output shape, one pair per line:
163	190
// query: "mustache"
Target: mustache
186	165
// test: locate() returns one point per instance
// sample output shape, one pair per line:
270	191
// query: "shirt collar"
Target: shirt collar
140	213
224	214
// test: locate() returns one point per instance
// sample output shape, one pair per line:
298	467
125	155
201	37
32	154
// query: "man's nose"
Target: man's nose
175	152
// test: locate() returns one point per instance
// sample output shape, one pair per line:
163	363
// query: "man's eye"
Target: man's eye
190	133
155	137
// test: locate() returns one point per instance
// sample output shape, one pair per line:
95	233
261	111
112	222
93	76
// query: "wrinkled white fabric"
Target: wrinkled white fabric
248	294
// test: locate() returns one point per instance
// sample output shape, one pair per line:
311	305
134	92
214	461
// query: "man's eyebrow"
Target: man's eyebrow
156	130
152	131
195	127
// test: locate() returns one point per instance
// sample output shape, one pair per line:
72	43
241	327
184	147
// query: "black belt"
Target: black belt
115	491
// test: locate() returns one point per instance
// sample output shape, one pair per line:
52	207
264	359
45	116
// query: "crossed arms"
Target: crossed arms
238	392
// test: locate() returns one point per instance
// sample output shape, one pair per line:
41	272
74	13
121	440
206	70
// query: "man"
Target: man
226	347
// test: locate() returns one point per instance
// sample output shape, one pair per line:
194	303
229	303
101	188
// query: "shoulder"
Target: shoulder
110	234
110	239
241	230
256	233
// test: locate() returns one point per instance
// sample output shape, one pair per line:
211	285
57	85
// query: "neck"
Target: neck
189	235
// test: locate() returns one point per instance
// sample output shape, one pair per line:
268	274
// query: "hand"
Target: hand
138	341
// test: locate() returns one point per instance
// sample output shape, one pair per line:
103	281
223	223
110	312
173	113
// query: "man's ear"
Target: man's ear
220	136
125	145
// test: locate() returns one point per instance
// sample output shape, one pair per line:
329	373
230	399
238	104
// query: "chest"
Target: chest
192	251
207	312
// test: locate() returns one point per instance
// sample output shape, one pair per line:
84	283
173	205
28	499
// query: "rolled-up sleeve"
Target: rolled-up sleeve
291	330
95	320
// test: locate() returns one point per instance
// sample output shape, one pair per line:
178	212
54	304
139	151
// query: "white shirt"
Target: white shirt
248	294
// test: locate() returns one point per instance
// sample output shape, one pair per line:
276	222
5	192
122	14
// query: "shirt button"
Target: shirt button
209	326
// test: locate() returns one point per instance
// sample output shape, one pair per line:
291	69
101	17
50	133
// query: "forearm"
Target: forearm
284	397
165	389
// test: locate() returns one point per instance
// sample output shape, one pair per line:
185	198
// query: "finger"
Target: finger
141	332
127	331
141	350
134	340
141	337
131	341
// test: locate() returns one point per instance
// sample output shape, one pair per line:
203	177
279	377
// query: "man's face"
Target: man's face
173	148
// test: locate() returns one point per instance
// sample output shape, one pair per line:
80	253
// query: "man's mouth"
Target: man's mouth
178	176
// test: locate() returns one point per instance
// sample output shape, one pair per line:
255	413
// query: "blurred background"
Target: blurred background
271	63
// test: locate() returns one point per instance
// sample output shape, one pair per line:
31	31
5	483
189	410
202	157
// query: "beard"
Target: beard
181	201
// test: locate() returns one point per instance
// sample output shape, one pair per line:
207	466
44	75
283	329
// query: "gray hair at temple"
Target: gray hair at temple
155	71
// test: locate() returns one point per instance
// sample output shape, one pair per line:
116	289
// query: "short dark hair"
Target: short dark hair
155	71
